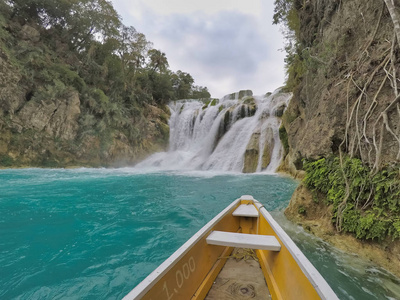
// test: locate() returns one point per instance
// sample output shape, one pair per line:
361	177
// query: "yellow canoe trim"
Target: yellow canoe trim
190	272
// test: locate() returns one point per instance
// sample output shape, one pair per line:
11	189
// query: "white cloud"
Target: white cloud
225	45
162	7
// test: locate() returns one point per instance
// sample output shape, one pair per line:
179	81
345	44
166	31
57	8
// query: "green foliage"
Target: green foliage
284	138
158	60
183	84
83	46
162	90
6	160
199	92
69	77
372	201
302	210
295	69
50	92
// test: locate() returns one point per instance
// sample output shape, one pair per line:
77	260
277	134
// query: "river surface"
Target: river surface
96	233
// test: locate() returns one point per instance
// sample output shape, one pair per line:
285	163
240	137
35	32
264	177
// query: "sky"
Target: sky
226	45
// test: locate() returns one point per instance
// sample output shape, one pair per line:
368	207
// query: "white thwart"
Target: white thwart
243	240
246	210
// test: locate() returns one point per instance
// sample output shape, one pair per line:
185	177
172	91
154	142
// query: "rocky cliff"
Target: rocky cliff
346	82
72	101
343	66
50	132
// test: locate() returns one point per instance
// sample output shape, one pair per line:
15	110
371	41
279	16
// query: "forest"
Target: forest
52	48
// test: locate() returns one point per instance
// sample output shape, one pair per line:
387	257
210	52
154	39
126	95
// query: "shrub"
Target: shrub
370	202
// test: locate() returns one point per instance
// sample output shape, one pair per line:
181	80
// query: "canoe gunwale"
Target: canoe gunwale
143	287
312	274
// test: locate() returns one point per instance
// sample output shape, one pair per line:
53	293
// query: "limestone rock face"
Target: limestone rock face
309	210
268	148
120	152
251	154
279	111
326	97
64	129
29	33
11	98
241	94
58	118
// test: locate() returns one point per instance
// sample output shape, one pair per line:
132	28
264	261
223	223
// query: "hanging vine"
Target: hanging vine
356	141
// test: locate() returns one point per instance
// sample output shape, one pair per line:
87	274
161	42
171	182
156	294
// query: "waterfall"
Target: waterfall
239	132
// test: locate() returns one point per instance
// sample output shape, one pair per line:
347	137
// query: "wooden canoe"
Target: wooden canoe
194	270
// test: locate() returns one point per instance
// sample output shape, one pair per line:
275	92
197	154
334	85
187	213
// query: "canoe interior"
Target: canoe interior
192	270
240	278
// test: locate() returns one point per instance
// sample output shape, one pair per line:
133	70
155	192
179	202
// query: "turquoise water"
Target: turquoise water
96	233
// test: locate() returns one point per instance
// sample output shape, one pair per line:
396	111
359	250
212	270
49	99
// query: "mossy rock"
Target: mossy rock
284	138
249	100
227	118
251	154
214	102
266	158
243	93
6	160
280	110
164	130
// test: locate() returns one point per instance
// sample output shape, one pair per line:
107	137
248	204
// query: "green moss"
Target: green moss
284	138
164	130
69	77
249	100
220	108
206	104
372	206
226	120
244	93
6	160
302	210
214	102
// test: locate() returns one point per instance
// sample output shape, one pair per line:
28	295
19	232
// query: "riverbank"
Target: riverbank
316	217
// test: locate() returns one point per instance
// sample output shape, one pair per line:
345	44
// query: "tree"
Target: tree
158	60
92	19
132	49
182	83
200	92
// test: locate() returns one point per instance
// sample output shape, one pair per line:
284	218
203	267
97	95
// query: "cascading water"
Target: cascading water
237	133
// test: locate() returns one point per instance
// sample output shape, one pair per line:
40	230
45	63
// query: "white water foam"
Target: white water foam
206	137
